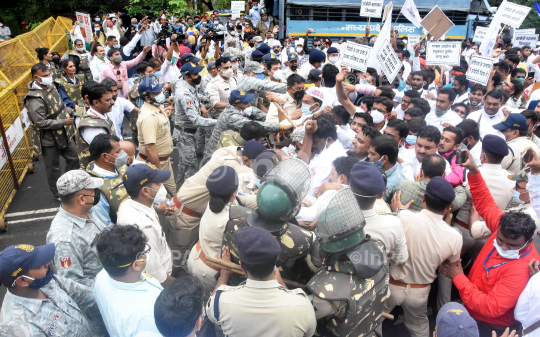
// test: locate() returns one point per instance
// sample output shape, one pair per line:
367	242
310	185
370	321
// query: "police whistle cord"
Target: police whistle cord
235	268
281	111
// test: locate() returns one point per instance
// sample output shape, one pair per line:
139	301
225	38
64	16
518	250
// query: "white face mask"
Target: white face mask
160	195
248	111
81	49
227	73
234	66
334	59
299	49
508	254
278	74
45	80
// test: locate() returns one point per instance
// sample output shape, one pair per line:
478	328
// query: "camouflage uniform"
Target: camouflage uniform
296	243
63	314
83	65
47	112
232	118
347	303
73	90
113	189
55	72
247	53
230	138
75	258
16	328
90	121
187	119
203	134
259	88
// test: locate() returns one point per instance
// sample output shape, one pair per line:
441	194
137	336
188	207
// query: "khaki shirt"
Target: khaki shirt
220	91
289	105
211	230
430	242
154	128
388	229
517	145
146	219
263	308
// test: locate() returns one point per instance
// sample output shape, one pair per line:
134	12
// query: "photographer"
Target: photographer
192	34
112	27
148	35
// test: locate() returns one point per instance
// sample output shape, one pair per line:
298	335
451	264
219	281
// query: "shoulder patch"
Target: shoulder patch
65	262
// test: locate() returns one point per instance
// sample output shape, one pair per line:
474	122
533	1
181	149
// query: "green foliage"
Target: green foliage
222	4
11	20
531	21
145	7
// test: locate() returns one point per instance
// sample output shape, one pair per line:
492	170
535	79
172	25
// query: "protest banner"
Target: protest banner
480	34
436	23
387	11
235	14
525	31
480	69
521	40
355	55
86	27
413	39
443	53
513	14
371	8
389	61
238	6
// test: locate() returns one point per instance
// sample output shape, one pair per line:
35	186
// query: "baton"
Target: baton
280	110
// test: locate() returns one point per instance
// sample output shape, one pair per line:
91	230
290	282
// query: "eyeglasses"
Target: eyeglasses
139	256
508	85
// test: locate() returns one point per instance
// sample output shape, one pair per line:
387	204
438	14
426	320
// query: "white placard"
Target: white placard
480	69
355	55
14	135
371	8
235	14
513	14
525	31
238	6
521	40
389	61
413	40
86	26
480	34
443	53
25	119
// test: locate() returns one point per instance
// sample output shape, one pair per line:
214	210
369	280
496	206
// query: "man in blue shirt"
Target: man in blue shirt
254	13
383	151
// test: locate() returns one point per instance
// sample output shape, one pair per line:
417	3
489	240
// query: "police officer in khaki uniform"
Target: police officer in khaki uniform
220	87
155	141
263	306
52	122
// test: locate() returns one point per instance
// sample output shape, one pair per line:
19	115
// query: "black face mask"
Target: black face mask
196	81
97	196
251	44
299	95
294	67
115	97
56	60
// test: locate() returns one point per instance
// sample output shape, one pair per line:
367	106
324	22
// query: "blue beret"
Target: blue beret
495	144
332	50
253	148
256	245
441	188
257	53
317	56
264	162
264	48
513	121
222	181
366	180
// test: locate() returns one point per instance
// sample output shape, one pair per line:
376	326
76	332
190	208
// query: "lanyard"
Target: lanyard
498	264
122	70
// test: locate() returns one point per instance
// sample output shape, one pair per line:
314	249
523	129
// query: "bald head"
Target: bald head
129	148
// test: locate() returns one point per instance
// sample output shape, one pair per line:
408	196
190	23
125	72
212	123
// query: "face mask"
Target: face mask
190	24
45	80
41	282
294	67
306	109
521	80
451	80
196	81
299	49
117	59
251	44
334	59
115	97
411	139
317	47
234	66
278	74
260	76
256	7
97	19
134	24
97	29
257	181
248	111
508	254
276	54
299	95
439	113
117	46
120	160
227	73
160	98
515	197
216	22
81	49
97	196
110	24
422	50
158	73
160	195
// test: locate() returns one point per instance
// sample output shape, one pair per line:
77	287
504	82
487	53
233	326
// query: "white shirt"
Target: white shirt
311	213
330	96
407	69
448	117
411	166
476	151
462	98
88	134
527	309
170	71
96	65
400	112
159	263
345	135
321	165
389	230
305	69
486	122
117	114
5	31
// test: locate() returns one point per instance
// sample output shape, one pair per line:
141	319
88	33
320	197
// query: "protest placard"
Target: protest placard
355	55
513	14
443	53
238	6
371	8
480	34
387	10
480	69
85	24
413	39
521	40
235	14
436	23
389	61
525	31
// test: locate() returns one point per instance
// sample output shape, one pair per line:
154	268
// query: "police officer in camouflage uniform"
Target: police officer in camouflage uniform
348	293
236	114
52	123
70	86
18	327
144	70
75	227
94	121
250	84
63	303
247	52
187	118
203	134
80	58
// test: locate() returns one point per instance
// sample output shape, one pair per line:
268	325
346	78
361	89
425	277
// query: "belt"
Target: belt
179	128
404	285
202	256
185	209
462	224
146	158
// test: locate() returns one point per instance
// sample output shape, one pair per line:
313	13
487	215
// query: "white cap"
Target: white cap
276	43
315	92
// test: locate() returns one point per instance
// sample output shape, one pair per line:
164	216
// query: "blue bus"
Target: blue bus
341	18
